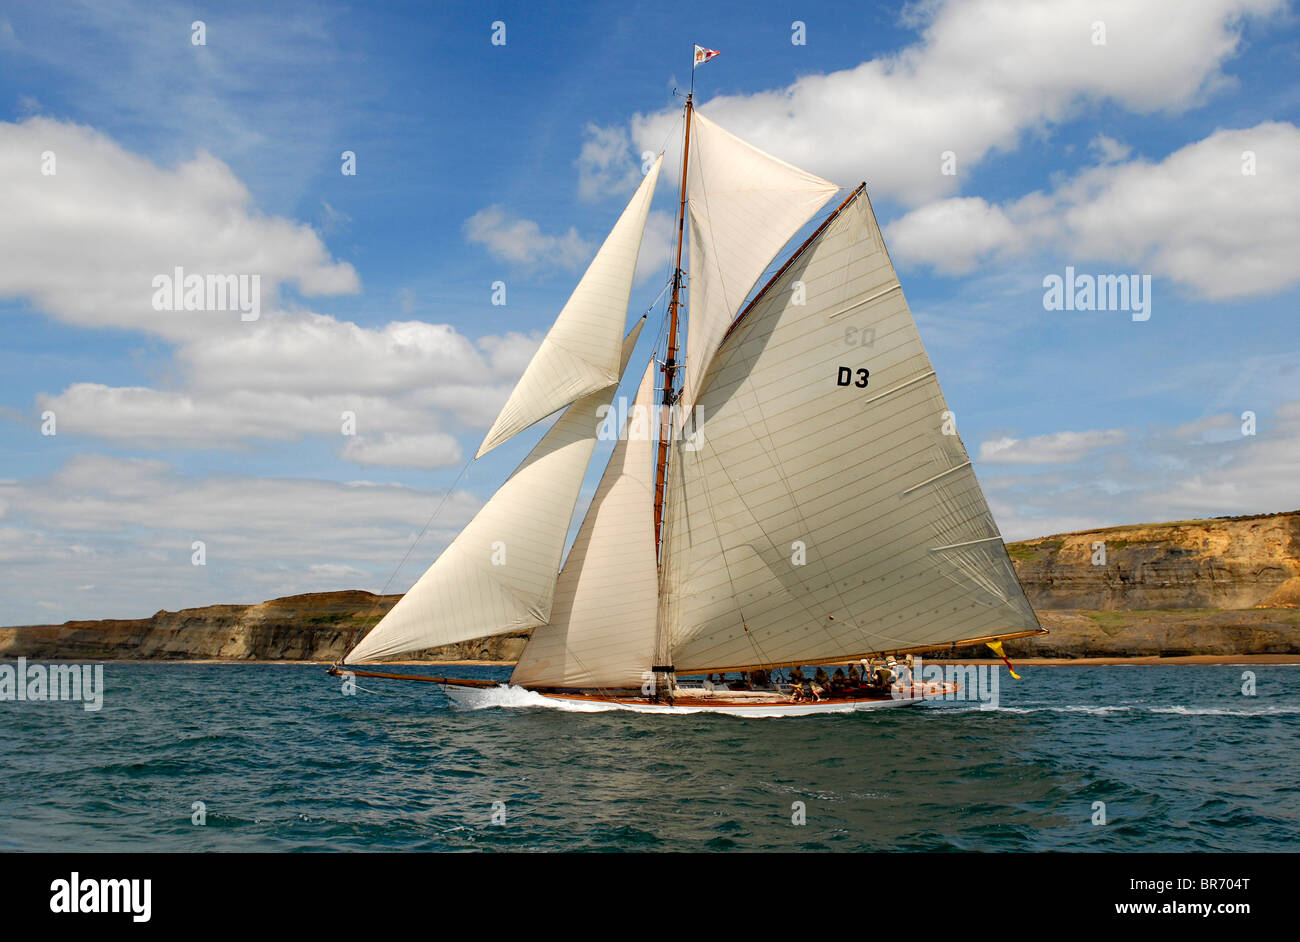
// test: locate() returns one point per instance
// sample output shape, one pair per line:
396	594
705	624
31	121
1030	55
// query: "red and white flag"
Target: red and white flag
703	55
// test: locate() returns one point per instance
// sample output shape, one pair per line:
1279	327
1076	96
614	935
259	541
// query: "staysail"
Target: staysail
499	574
602	627
744	206
580	353
828	509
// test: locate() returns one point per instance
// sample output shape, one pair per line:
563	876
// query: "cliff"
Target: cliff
1225	563
1228	585
320	626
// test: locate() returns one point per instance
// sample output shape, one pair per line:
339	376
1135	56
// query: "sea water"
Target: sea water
255	757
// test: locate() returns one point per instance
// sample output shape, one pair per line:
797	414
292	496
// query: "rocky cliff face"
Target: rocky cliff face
1225	563
320	626
1221	586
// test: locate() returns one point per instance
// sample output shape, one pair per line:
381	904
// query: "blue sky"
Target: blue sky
479	162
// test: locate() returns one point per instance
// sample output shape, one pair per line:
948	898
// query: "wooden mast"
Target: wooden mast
670	363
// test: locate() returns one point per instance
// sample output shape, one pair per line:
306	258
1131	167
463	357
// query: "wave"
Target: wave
1172	709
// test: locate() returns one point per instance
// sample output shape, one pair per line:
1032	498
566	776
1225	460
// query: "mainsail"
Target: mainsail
602	627
826	512
580	353
744	206
498	575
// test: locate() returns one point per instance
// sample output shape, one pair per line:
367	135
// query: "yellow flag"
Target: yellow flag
997	649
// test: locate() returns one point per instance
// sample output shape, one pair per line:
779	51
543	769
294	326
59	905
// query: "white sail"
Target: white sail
602	627
818	520
580	353
744	206
498	575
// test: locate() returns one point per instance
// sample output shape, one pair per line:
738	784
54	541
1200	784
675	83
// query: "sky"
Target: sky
1001	141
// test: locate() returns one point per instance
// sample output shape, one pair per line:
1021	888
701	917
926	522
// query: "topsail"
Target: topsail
744	205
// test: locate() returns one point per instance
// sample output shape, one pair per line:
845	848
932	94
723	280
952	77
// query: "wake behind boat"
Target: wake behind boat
795	493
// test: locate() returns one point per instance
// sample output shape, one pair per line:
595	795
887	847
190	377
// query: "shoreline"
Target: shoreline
1139	661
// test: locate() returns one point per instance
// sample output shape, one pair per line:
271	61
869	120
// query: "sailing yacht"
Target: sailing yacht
793	494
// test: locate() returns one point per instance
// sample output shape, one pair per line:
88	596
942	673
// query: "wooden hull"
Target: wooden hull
479	697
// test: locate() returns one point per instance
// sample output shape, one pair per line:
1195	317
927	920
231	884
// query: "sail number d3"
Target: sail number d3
847	374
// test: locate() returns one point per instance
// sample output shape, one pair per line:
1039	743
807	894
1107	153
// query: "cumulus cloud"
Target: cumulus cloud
605	164
522	241
953	235
1194	218
981	74
85	242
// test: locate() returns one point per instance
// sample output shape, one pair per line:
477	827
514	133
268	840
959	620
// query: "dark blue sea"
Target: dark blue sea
281	760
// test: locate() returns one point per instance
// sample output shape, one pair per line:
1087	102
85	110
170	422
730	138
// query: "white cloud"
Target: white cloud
85	243
1191	470
433	450
605	165
1057	448
657	247
127	526
522	241
1108	149
982	73
952	235
161	418
1193	218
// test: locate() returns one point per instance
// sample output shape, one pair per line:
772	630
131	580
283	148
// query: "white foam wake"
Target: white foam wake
508	695
1175	709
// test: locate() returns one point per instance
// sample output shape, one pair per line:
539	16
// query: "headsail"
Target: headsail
826	513
499	574
580	353
744	206
602	627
